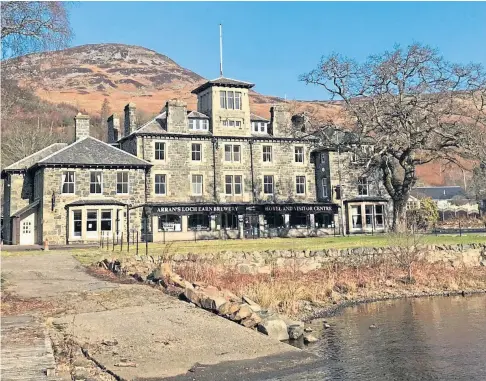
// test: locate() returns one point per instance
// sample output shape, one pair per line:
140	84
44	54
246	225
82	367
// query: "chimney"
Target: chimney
176	116
81	126
113	123
130	118
280	121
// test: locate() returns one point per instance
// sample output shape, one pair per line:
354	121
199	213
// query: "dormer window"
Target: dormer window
199	124
259	127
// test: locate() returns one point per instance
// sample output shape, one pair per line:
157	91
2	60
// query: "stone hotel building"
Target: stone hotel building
216	172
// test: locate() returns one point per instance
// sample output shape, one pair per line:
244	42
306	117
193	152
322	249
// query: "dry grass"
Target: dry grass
288	290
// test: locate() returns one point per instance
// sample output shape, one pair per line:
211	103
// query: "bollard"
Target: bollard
46	245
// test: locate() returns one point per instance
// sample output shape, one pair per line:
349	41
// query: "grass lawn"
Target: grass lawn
90	255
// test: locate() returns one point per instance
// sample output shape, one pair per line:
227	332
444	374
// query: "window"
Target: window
122	182
225	123
324	188
159	151
198	222
196	152
232	153
160	184
267	154
356	217
369	215
222	99
233	184
197	184
259	127
231	100
106	220
231	123
363	186
68	182
92	221
379	216
298	220
237	100
337	191
199	124
275	220
229	221
238	123
268	184
170	223
300	184
324	220
77	223
299	154
95	182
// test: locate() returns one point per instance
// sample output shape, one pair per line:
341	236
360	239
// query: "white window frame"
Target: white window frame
230	102
299	155
63	179
198	124
106	219
382	214
363	188
122	183
238	97
298	184
259	127
163	150
232	183
91	182
230	149
193	152
160	184
223	102
324	187
74	211
196	184
272	183
268	155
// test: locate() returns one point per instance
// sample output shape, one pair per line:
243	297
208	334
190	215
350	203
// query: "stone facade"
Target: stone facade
265	181
57	218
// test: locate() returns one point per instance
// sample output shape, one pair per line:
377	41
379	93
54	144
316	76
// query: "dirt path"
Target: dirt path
119	324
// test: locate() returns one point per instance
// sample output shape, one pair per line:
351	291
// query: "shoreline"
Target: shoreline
336	309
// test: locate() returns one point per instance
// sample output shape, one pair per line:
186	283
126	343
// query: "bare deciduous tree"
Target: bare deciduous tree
33	26
412	105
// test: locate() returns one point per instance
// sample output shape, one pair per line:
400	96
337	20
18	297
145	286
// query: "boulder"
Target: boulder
230	296
254	306
228	308
194	296
244	311
309	338
274	327
295	331
211	299
251	321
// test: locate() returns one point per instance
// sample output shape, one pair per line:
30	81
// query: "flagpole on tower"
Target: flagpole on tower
220	50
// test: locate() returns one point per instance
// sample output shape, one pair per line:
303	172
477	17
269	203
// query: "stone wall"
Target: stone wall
308	260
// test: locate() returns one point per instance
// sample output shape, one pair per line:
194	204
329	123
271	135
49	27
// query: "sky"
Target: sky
272	43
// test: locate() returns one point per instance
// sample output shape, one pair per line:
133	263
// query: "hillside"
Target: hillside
84	76
81	78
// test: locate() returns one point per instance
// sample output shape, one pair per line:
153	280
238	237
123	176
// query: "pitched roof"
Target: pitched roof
91	151
224	82
256	118
197	114
30	160
438	193
25	209
107	201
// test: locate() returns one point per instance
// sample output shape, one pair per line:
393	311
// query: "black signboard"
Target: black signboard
244	209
